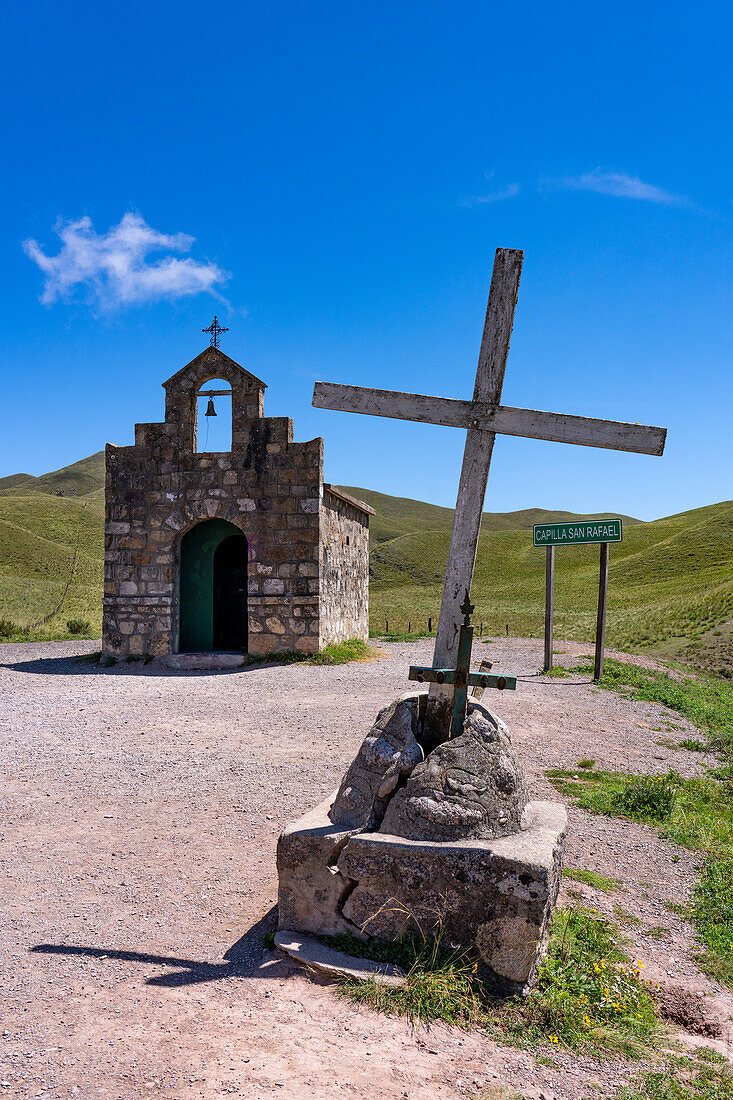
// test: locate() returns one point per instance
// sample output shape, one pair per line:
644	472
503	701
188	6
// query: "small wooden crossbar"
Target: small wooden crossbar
459	677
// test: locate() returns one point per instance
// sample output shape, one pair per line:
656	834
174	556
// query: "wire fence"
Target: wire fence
420	625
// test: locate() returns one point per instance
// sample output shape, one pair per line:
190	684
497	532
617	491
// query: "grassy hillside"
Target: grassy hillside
670	590
396	515
670	587
79	479
38	533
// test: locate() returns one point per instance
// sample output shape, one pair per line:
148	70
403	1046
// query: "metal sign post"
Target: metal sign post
601	618
549	603
581	533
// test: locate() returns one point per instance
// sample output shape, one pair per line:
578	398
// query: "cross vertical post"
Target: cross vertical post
474	472
482	418
549	604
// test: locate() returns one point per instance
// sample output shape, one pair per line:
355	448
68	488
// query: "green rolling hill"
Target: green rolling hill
670	590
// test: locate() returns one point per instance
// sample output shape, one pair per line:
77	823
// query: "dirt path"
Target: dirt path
139	819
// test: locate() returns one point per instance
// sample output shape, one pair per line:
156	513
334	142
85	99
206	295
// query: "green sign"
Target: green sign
570	534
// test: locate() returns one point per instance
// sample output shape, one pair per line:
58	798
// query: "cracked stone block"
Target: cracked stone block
470	786
388	754
495	895
311	888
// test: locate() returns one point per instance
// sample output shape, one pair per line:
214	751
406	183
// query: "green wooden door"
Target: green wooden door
197	590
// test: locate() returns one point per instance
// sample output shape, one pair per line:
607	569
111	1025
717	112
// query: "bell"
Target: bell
210	410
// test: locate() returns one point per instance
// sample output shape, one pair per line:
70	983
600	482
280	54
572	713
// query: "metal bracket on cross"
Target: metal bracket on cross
461	678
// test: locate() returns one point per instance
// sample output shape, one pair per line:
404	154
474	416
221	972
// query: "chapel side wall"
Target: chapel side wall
344	571
267	486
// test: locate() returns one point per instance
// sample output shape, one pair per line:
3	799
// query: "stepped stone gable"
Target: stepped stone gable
307	543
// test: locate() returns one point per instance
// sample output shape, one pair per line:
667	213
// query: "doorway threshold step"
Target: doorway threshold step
202	662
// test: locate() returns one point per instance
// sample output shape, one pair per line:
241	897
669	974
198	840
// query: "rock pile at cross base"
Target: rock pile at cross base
446	842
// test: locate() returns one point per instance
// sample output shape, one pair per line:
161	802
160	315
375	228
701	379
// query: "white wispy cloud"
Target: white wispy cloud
620	185
113	269
507	192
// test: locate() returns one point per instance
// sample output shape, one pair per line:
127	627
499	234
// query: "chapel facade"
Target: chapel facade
245	551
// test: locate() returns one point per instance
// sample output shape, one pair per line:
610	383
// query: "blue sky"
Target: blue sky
332	179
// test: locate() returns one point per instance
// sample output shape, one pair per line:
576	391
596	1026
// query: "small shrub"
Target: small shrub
586	763
78	626
8	628
107	662
650	797
693	745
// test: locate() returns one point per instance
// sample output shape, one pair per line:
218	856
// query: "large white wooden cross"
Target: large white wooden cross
483	417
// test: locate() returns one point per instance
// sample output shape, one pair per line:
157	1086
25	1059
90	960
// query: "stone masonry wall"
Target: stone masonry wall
344	569
268	486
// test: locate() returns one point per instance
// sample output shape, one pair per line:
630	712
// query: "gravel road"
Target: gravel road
139	819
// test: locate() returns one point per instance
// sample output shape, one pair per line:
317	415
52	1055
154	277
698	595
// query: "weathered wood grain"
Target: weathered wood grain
585	431
475	470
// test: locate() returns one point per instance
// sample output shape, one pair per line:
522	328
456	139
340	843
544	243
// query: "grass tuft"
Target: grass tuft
705	700
706	1076
695	813
592	878
339	653
588	996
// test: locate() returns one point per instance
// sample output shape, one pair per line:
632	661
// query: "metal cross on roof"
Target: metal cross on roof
214	330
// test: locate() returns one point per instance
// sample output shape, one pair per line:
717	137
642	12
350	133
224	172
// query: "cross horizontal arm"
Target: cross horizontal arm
531	423
455	676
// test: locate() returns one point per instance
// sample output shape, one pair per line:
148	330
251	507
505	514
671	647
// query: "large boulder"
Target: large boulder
471	786
388	754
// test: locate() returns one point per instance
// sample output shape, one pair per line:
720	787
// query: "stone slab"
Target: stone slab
497	895
311	889
314	955
202	662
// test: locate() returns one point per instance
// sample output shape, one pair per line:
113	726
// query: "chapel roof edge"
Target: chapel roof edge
216	353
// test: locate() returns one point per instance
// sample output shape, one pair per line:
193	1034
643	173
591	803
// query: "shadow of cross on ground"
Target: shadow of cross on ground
243	959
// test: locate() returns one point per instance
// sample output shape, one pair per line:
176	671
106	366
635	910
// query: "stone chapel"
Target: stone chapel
245	551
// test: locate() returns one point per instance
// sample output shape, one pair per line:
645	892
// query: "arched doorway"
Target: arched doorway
213	588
